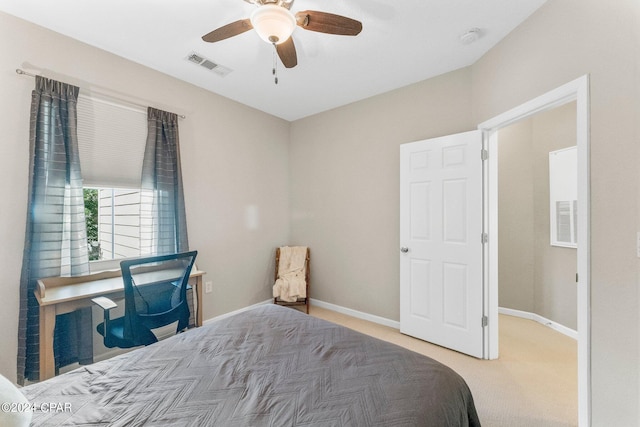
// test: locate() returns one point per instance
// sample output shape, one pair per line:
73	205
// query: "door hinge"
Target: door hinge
576	277
485	321
484	238
484	154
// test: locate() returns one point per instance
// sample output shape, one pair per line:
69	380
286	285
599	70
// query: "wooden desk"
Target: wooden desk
60	295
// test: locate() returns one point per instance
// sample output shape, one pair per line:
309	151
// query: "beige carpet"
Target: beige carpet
533	383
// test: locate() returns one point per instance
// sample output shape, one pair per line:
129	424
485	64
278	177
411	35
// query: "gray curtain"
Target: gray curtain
55	240
164	224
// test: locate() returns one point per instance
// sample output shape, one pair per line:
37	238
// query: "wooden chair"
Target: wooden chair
300	301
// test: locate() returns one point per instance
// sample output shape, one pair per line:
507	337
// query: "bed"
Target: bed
267	366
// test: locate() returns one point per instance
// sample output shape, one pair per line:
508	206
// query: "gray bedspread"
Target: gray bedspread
268	366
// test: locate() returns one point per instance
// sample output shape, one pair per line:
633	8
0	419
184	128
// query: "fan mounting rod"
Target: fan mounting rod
282	3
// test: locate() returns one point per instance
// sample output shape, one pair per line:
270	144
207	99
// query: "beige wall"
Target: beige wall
344	173
345	169
516	235
562	41
228	167
533	275
556	294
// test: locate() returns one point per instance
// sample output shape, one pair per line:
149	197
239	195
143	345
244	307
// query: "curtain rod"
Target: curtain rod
24	73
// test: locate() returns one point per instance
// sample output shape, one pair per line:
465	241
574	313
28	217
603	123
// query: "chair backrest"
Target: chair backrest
155	290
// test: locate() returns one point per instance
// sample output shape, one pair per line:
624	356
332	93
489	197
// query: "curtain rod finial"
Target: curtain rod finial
21	71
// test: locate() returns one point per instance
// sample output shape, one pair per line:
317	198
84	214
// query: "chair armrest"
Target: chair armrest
104	302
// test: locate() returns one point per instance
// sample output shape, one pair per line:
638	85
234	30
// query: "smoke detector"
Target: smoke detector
470	36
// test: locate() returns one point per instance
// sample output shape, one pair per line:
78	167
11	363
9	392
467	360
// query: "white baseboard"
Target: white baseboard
542	320
375	319
231	313
326	305
355	313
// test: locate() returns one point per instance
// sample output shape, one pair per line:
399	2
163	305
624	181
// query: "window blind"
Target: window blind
111	139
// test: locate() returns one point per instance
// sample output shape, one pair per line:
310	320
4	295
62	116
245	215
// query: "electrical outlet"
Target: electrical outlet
208	287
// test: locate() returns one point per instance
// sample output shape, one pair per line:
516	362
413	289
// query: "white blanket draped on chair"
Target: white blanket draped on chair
290	284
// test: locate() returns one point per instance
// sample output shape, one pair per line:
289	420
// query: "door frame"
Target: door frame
576	90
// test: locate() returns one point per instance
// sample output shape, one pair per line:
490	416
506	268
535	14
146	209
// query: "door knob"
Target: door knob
404	249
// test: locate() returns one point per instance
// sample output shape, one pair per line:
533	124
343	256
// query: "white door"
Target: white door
441	241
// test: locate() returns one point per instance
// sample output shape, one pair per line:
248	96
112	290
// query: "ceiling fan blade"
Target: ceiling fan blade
287	53
228	30
329	23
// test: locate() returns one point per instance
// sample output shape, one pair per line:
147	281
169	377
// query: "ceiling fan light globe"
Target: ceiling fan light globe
274	24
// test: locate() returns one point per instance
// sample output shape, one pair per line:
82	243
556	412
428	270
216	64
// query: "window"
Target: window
115	218
111	139
563	195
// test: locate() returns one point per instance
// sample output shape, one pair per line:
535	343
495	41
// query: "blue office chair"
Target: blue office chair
155	295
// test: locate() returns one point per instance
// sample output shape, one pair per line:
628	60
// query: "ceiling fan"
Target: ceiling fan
274	22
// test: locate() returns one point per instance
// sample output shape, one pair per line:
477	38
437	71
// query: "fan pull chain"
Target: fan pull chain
274	70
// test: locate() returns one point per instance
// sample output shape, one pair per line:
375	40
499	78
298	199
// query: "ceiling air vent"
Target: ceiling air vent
200	60
208	64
